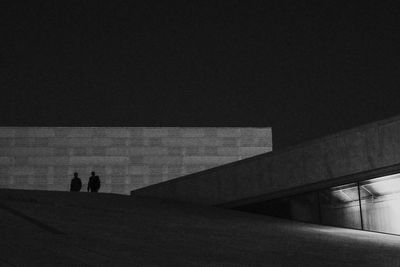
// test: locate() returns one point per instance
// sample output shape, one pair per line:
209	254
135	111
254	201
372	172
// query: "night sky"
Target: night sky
306	70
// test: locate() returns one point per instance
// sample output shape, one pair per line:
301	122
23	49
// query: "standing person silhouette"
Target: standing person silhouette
94	183
76	183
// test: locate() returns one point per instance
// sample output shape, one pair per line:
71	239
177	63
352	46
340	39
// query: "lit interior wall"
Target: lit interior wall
339	206
379	199
126	158
380	204
382	215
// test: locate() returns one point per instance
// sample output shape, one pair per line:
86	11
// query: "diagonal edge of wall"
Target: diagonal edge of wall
368	147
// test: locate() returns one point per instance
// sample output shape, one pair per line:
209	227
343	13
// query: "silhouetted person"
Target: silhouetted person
94	183
76	183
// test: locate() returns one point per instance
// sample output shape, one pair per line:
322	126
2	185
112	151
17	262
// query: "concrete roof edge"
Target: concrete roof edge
278	152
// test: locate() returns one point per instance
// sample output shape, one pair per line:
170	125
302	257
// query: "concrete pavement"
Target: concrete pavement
41	228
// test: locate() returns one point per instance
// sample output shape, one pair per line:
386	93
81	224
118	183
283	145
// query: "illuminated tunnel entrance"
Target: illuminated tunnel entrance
372	205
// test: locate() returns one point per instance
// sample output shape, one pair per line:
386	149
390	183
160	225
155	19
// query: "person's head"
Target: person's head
75	174
93	173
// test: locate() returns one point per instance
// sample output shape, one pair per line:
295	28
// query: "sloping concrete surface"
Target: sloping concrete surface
324	160
41	228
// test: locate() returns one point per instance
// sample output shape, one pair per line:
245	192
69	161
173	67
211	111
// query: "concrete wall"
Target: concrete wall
125	158
366	148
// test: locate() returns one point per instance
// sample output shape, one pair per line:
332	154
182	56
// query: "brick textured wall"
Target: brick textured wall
124	158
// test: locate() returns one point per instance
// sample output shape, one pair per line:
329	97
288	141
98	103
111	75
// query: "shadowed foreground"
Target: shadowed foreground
39	228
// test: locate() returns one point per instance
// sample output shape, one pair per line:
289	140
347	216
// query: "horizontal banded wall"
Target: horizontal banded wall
125	158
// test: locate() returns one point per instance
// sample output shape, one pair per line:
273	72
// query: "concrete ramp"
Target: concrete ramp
40	228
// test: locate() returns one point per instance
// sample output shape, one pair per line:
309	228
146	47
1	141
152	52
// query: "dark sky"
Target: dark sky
305	69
